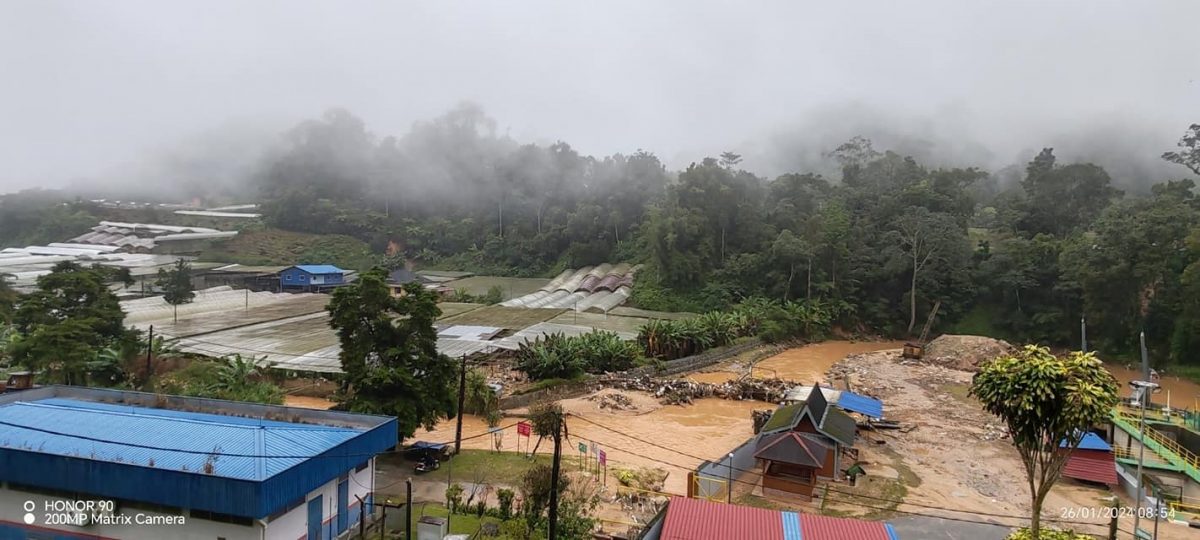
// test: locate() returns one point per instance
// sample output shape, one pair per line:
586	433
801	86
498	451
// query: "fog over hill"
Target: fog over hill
145	93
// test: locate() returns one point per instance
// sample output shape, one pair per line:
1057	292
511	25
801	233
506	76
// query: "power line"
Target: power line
1004	516
216	453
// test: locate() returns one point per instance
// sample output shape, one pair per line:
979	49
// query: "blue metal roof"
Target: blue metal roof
1091	441
859	403
191	432
791	526
320	269
221	463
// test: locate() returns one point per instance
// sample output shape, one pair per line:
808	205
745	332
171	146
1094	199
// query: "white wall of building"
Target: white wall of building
294	524
290	526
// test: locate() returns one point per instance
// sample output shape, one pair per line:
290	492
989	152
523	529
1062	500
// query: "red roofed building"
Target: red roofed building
1091	466
697	519
1092	461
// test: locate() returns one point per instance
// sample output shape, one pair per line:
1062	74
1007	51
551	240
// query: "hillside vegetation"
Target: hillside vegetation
270	246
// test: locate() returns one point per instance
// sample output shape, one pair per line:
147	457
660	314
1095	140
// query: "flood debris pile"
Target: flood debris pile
964	353
682	391
613	401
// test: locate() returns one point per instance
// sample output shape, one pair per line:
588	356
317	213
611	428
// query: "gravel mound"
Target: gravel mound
964	352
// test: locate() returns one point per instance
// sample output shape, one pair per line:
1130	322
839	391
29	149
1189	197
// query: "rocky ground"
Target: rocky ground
949	452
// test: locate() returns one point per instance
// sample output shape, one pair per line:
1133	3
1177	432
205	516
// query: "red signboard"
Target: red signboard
603	458
523	428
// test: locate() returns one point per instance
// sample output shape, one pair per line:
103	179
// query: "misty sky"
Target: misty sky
93	89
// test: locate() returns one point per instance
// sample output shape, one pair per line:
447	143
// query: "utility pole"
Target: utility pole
1146	387
407	510
554	475
1083	333
462	394
149	356
1145	360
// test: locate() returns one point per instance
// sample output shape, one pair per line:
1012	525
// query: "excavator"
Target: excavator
916	350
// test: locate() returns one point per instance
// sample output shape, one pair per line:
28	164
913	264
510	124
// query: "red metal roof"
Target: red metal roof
1092	466
696	519
813	527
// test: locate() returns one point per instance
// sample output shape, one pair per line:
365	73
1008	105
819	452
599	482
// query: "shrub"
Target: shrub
559	357
454	495
505	497
1048	534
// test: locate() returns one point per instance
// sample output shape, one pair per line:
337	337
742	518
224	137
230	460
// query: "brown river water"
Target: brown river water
1182	393
809	363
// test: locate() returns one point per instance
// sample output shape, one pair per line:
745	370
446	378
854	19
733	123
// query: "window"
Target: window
287	277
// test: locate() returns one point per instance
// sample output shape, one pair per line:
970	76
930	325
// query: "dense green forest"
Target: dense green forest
880	243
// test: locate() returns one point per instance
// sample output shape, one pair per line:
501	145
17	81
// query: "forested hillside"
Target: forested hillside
881	244
1020	256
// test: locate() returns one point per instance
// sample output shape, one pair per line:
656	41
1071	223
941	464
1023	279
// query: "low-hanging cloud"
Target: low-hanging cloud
98	92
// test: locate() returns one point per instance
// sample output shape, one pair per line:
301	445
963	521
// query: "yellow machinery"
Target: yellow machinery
916	350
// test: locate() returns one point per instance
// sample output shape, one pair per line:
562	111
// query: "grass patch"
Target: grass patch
459	523
482	466
1190	373
549	383
757	502
269	246
450	309
511	287
867	500
512	318
978	322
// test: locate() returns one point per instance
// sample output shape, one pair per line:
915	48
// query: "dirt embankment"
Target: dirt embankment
950	453
964	352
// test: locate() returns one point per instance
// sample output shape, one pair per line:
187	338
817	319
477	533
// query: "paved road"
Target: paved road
931	528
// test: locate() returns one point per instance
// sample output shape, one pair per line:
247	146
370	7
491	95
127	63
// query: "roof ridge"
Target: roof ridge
804	445
172	418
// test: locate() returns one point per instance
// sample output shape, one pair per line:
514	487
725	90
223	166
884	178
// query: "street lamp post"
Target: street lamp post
1146	387
729	481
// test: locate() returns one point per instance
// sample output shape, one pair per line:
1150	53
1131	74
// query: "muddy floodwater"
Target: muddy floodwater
809	363
1184	394
305	402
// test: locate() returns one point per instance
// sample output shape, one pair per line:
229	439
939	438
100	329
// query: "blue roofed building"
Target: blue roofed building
95	463
311	277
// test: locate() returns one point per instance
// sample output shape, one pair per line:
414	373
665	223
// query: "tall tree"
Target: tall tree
791	250
62	324
922	238
1189	153
176	285
389	352
8	298
1048	404
1061	199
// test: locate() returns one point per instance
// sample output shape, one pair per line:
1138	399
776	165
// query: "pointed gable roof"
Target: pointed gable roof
793	448
817	404
829	421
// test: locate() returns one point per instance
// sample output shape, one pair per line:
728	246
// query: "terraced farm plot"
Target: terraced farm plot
512	287
599	321
450	309
503	317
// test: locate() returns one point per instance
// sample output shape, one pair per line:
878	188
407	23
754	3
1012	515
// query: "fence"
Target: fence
711	480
